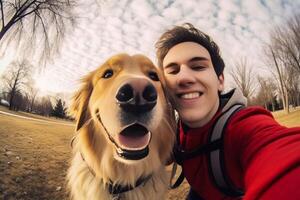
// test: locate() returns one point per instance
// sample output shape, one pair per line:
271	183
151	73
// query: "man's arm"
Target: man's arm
269	155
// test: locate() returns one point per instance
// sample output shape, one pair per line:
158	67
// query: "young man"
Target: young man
254	157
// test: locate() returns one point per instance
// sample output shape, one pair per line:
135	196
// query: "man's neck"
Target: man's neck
206	119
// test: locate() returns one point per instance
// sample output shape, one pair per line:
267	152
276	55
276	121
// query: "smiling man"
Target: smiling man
192	78
227	150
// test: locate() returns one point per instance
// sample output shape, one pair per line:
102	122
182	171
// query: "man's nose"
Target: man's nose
185	76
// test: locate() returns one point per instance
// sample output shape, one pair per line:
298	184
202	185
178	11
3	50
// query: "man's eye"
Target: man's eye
172	71
198	68
108	73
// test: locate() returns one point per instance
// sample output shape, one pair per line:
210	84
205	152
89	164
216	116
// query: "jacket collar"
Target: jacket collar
234	96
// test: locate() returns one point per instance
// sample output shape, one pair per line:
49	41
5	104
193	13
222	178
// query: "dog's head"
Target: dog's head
123	102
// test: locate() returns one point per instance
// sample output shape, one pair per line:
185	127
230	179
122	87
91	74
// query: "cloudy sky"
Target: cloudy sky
240	27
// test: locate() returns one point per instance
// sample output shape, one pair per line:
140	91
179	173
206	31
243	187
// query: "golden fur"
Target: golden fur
95	162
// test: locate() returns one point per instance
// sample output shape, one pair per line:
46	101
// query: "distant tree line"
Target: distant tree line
41	106
19	91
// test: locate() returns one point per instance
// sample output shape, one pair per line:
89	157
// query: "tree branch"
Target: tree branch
2	13
23	9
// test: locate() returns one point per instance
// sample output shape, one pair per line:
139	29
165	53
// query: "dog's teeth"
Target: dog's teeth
190	95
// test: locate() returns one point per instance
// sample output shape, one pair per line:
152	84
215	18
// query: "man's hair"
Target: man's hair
188	33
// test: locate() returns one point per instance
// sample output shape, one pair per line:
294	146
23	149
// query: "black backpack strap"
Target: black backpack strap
216	157
180	155
178	160
179	179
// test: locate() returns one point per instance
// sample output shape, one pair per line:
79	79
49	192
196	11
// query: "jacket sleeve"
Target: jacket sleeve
268	155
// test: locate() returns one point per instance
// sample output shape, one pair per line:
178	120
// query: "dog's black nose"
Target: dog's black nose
149	93
137	96
125	93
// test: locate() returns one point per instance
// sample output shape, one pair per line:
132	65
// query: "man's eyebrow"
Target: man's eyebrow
198	59
194	59
170	65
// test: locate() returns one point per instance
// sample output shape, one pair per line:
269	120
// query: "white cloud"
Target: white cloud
240	20
239	27
172	13
142	9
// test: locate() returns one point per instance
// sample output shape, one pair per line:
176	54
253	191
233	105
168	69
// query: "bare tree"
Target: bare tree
283	55
280	75
267	92
243	77
288	42
284	49
32	92
293	86
35	23
16	77
43	106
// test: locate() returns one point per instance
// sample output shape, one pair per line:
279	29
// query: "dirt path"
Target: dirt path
34	158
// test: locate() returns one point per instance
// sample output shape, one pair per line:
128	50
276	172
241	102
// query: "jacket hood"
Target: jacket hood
234	96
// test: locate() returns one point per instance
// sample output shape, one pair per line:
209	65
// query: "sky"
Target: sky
239	27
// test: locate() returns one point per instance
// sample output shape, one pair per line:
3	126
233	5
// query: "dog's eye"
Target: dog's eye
153	76
108	73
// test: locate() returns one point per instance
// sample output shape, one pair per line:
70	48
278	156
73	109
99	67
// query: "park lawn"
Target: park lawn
290	120
34	157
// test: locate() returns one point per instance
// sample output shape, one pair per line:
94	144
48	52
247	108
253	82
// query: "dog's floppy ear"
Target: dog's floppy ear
79	107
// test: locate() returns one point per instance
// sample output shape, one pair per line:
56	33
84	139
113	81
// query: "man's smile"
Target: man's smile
189	95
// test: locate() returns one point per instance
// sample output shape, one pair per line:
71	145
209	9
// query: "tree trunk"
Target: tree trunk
31	104
273	107
287	102
282	87
11	100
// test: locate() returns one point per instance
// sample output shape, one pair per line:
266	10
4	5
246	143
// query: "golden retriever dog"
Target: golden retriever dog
124	132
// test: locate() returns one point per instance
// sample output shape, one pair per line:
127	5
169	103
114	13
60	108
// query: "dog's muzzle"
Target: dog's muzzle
132	142
136	98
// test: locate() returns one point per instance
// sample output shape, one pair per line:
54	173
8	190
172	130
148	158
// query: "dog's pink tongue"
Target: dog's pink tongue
134	142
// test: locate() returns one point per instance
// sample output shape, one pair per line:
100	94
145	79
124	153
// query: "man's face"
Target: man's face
192	83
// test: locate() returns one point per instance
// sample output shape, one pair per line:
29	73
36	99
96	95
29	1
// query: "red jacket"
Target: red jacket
261	156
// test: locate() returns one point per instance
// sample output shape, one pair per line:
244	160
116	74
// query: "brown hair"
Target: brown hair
188	33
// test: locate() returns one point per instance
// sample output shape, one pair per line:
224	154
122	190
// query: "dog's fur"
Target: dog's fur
95	162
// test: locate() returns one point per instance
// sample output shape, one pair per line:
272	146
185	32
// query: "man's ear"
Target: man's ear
221	82
79	107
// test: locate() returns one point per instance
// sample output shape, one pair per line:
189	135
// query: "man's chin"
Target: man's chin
193	118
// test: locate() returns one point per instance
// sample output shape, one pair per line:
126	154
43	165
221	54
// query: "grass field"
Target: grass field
35	155
33	159
289	120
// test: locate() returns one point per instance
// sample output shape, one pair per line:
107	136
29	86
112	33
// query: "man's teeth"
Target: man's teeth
190	95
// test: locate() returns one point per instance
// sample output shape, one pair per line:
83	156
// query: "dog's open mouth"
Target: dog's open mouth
133	142
134	137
